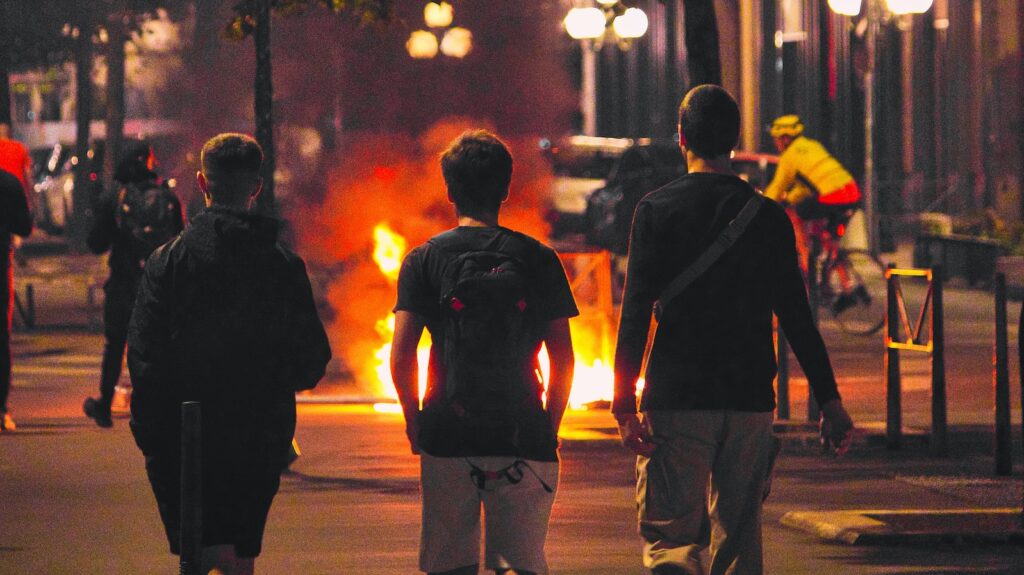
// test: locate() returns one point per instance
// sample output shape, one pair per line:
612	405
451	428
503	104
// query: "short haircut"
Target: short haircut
477	169
709	121
231	163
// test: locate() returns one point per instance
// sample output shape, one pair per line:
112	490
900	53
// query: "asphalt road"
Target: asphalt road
76	501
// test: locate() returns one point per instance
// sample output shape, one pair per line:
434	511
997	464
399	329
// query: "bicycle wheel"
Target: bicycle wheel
858	303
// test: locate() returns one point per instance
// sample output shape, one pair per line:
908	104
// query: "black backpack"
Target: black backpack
490	342
148	214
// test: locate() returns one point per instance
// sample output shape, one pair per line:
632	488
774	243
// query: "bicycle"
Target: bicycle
849	282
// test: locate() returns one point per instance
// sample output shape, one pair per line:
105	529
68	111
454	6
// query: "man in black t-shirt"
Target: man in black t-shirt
707	403
503	455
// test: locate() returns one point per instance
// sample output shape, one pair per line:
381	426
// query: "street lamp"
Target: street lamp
873	13
591	25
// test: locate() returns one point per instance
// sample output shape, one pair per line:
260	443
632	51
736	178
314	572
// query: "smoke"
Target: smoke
360	126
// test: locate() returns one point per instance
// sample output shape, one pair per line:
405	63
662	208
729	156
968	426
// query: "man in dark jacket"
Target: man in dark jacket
224	316
708	399
109	232
14	219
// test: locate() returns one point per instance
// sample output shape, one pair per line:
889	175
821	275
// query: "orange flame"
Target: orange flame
593	379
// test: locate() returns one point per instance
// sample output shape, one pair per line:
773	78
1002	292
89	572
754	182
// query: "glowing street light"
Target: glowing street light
457	42
421	45
845	7
438	15
585	23
631	24
909	6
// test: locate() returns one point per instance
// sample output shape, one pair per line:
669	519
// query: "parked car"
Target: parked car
599	181
54	187
53	172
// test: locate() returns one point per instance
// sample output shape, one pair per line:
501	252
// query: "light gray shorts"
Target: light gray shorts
516	508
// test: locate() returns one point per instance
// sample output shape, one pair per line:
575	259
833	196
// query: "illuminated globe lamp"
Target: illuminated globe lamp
422	45
909	6
585	23
457	42
438	15
845	7
631	24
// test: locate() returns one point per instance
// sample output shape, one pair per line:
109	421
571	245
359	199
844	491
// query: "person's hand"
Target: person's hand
412	431
836	428
634	435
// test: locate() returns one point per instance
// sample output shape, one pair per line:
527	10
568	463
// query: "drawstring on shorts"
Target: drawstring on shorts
512	473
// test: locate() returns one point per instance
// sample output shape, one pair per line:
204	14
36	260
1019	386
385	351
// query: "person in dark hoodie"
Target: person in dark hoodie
224	316
122	230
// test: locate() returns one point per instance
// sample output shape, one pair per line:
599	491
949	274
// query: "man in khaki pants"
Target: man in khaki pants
705	445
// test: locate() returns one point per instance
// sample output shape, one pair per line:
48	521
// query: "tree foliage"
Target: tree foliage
253	18
243	22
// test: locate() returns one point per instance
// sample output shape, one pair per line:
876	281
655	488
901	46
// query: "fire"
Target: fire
388	251
593	379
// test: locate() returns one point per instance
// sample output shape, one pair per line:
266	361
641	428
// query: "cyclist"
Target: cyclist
821	191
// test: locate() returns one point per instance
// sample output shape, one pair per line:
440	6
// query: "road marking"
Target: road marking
54	370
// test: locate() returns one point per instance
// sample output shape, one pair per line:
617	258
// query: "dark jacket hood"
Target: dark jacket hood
217	228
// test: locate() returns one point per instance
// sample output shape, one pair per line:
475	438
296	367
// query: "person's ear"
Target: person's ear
257	189
204	185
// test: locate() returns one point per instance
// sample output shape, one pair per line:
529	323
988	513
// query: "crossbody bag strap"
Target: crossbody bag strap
727	238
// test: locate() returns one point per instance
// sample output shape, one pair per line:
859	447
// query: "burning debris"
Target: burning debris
386	194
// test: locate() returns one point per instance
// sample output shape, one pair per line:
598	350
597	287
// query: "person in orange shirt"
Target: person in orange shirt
14	158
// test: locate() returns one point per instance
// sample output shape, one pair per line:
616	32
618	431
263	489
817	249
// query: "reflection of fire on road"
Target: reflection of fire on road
591	331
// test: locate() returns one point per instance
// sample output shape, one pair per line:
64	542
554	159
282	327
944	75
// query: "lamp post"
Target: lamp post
874	13
592	25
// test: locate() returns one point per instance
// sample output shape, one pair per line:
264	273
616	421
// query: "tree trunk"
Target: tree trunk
702	55
117	36
264	106
83	199
5	61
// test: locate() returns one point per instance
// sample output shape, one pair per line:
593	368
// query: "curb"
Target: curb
910	526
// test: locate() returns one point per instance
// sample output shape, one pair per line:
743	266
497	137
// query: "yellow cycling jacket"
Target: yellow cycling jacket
806	170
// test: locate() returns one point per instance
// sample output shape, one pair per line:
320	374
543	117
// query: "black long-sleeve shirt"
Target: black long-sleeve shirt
714	347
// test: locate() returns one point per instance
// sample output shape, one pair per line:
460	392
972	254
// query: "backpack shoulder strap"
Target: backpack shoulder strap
727	238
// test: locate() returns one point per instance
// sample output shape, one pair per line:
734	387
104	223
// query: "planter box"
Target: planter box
968	257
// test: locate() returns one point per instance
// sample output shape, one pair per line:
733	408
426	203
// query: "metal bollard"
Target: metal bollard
1001	382
191	489
939	441
893	385
783	375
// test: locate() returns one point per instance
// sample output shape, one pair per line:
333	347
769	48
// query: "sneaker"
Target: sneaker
94	409
7	423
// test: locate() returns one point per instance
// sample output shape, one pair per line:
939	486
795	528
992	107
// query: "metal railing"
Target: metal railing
897	317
